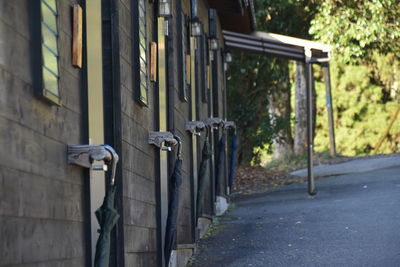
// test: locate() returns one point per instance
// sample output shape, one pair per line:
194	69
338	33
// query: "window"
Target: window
49	48
140	53
184	51
203	67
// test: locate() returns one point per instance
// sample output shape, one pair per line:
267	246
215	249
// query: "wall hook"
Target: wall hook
214	122
162	140
85	155
195	127
230	125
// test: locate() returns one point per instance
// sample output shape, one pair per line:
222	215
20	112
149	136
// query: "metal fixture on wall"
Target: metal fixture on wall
195	127
228	57
162	140
195	24
164	8
230	125
214	122
86	155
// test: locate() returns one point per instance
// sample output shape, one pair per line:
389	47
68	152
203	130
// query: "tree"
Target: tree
259	86
357	28
365	67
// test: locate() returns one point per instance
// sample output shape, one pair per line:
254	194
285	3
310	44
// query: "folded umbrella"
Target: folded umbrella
173	203
234	147
107	216
219	167
205	156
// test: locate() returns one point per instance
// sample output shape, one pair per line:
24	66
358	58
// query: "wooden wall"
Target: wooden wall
41	197
139	168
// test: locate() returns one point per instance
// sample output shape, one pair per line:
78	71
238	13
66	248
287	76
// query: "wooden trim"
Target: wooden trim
153	62
188	74
77	36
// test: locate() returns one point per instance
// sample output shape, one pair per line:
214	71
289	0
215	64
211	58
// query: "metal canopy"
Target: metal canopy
297	49
278	45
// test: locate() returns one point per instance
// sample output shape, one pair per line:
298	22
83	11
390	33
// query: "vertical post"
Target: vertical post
163	126
309	84
327	79
194	139
94	64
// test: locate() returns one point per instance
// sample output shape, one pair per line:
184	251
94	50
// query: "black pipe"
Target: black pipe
309	81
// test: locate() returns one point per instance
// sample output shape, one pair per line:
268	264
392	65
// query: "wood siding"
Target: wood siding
41	195
43	199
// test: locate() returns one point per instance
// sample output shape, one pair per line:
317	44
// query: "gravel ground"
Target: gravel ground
257	179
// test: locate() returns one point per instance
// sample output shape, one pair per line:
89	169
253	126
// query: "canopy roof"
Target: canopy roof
278	45
235	15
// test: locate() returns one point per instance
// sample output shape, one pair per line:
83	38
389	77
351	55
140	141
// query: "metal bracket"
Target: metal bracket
162	140
229	125
85	155
195	127
179	140
214	122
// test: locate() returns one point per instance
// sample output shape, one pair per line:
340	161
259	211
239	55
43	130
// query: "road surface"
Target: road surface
354	220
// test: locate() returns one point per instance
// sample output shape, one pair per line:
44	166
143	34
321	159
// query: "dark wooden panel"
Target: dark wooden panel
140	240
27	195
139	213
34	153
15	53
141	259
19	105
26	240
14	13
139	188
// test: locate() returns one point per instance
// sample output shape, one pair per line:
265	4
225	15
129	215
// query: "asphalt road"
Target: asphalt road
354	220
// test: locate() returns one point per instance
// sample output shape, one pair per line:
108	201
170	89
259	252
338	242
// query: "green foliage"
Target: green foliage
249	84
357	27
252	79
365	73
363	105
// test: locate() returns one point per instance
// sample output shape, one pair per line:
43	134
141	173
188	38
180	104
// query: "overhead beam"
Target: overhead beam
278	45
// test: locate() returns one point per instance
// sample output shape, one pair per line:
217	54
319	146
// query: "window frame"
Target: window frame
140	48
183	52
49	52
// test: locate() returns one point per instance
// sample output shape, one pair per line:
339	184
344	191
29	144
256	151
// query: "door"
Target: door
162	107
95	118
103	114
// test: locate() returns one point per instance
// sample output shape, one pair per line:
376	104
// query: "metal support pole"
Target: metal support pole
327	79
309	84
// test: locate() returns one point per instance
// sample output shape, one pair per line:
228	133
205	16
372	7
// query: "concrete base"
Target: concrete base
221	205
202	225
173	260
184	253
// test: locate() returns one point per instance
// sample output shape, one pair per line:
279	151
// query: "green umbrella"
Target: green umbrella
107	216
206	155
172	226
234	147
219	168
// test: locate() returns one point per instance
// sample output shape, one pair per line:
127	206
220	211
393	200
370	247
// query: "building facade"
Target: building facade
126	73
